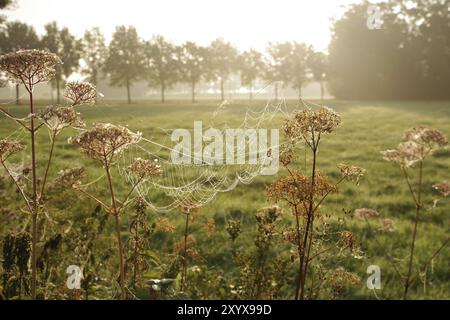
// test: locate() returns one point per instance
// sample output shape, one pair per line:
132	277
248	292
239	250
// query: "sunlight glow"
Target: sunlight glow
247	24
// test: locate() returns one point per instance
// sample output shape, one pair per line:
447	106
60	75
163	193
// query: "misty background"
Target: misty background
232	50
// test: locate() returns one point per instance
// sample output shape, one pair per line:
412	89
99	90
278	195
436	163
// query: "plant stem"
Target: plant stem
52	148
186	233
34	202
414	235
303	265
299	248
19	188
116	213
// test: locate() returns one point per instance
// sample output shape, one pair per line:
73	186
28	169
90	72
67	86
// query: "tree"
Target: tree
251	65
431	23
94	54
222	58
298	69
317	63
162	64
278	67
124	63
5	3
15	36
378	64
193	60
67	47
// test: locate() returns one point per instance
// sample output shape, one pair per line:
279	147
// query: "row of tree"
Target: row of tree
408	58
128	59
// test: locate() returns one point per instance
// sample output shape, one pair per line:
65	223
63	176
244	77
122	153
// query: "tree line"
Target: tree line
128	59
408	58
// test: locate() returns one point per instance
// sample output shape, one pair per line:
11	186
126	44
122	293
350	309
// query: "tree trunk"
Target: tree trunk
94	82
163	90
193	91
322	91
17	95
128	91
58	98
222	89
276	91
52	94
251	91
300	92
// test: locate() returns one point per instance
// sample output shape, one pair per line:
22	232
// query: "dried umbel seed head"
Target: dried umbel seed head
443	188
164	225
71	177
388	225
291	235
140	205
8	148
58	118
297	188
210	226
407	154
365	213
268	215
191	251
432	138
342	278
286	155
30	67
189	207
351	173
80	93
348	239
104	141
307	123
420	143
234	228
145	168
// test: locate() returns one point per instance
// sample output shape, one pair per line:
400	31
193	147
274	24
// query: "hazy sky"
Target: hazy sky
246	23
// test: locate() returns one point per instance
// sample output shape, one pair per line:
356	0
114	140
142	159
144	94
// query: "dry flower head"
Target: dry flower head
310	123
365	213
388	225
432	138
30	67
297	188
80	93
8	148
58	118
164	225
104	141
420	142
145	168
351	173
71	177
443	188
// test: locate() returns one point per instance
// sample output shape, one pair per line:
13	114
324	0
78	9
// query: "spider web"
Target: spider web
199	184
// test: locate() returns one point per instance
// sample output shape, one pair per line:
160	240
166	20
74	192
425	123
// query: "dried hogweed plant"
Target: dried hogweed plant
262	271
104	143
304	193
419	144
188	209
30	68
138	242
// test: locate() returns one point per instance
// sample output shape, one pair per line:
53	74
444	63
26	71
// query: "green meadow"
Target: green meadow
367	129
